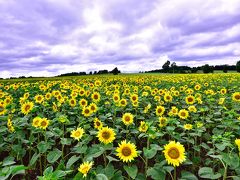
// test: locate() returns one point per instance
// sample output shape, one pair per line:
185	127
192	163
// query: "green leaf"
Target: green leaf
131	170
207	173
8	161
149	153
48	171
188	176
66	141
110	159
58	174
54	155
101	177
34	159
43	146
156	174
71	161
18	169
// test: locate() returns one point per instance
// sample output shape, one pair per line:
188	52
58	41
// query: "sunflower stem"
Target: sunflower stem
175	173
146	161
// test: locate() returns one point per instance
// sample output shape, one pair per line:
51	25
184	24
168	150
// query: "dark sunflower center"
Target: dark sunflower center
95	96
159	110
39	98
183	114
98	123
27	107
190	99
173	153
237	97
134	98
43	123
127	118
106	135
86	111
126	151
72	101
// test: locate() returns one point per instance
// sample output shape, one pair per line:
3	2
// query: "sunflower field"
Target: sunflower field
144	126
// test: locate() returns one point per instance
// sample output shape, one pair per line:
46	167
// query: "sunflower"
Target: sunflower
82	92
2	109
97	124
93	107
199	124
72	102
86	111
163	121
237	142
116	98
39	98
85	167
192	108
221	101
160	110
106	135
126	151
43	124
190	99
27	107
187	126
167	98
95	97
134	97
236	96
83	102
48	96
173	111
36	122
127	118
174	153
143	126
77	134
223	91
183	114
123	102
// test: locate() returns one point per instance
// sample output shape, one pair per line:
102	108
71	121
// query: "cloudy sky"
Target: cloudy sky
50	37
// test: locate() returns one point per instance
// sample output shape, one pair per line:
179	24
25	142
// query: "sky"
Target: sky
51	37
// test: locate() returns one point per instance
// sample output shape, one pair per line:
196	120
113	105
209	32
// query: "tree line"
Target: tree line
169	67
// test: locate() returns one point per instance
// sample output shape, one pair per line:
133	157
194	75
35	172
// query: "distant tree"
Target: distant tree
225	68
173	66
194	70
166	65
115	71
207	69
90	73
95	72
238	66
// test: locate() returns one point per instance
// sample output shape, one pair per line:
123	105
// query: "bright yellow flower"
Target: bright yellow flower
106	135
27	107
160	110
174	153
236	96
36	122
143	126
127	118
183	114
44	123
97	124
85	167
188	126
190	99
126	151
77	134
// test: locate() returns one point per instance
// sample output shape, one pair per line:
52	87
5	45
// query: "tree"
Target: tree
225	68
115	71
238	66
166	66
173	66
207	69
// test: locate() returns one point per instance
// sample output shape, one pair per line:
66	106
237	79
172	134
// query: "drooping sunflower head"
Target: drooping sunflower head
126	151
236	96
85	167
97	124
127	118
183	114
174	153
190	99
77	134
106	135
160	110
